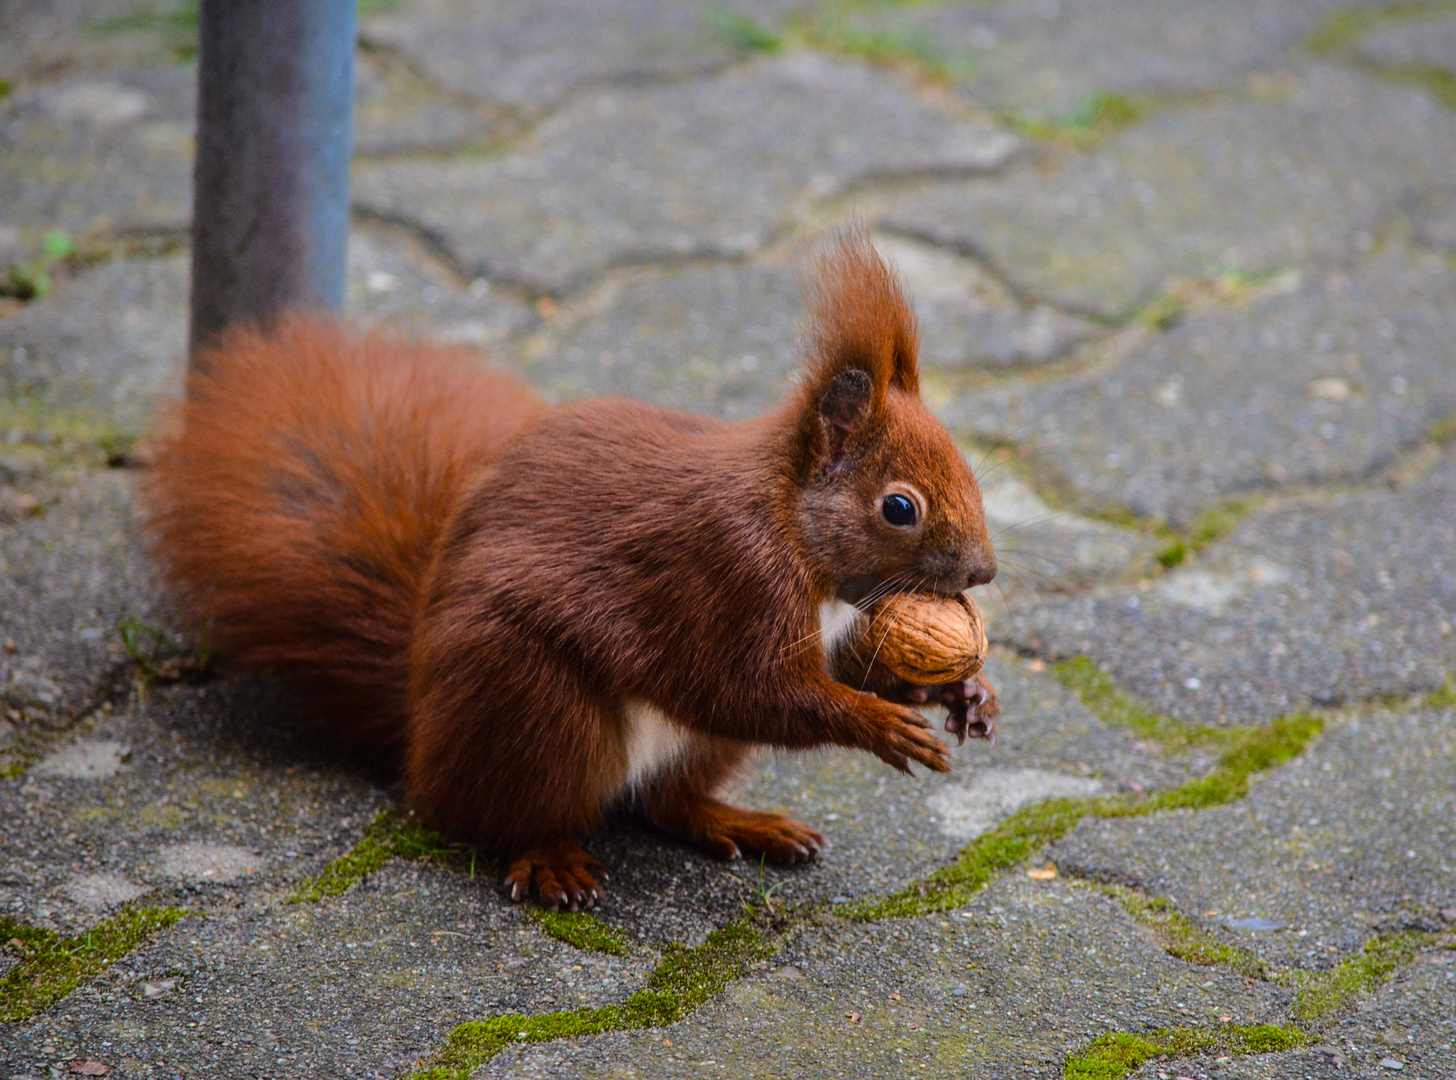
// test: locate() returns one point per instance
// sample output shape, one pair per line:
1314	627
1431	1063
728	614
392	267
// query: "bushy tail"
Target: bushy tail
297	494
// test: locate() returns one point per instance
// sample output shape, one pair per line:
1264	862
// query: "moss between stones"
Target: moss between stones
1100	694
683	980
52	436
1180	936
52	966
1117	1054
1444	431
1343	29
1096	119
837	27
1210	525
1323	994
743	33
392	834
581	929
1027	831
1444	698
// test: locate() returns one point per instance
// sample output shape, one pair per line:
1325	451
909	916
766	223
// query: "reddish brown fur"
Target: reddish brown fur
296	498
585	558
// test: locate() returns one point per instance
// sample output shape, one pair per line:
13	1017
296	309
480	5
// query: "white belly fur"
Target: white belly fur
654	743
836	620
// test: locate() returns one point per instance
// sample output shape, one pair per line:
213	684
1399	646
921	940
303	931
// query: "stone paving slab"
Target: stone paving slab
724	336
108	153
63	586
1356	835
1313	602
531	56
364	985
1043	552
1027	972
97	154
1308	169
396	111
111	342
1314	378
719	337
40	39
711	167
200	795
1409	42
1045	60
968	320
1409	1022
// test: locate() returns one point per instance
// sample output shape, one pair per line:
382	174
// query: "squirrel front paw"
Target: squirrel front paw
971	704
899	735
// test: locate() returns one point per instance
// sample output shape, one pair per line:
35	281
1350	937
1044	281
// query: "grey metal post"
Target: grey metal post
274	138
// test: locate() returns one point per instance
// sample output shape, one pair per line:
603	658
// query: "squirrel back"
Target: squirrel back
295	499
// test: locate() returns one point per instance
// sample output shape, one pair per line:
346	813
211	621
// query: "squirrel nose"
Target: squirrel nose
983	569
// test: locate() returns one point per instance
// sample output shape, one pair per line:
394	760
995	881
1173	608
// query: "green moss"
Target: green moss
392	834
1118	1054
1012	842
1180	936
1173	554
745	34
1099	692
1323	994
683	980
54	437
1096	119
580	929
1027	831
1443	432
861	29
1213	524
1444	698
1343	29
52	966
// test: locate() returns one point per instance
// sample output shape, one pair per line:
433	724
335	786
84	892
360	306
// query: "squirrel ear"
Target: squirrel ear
844	404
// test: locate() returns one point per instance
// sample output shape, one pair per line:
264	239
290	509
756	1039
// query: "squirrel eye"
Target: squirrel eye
898	510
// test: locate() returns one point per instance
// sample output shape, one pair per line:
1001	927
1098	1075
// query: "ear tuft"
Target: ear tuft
860	318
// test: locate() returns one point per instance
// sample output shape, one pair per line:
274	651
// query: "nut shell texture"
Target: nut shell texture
925	639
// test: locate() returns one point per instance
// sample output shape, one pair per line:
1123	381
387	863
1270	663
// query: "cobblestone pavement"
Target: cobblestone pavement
1187	279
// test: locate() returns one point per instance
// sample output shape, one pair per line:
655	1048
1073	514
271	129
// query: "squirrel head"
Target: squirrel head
885	500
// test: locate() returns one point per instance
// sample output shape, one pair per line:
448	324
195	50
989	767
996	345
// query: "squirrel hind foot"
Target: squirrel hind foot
561	875
722	830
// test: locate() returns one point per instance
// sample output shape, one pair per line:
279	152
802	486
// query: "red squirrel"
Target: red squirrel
542	612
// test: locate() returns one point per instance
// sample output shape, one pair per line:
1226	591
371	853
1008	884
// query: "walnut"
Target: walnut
925	640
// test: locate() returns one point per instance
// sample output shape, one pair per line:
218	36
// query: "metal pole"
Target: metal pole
274	138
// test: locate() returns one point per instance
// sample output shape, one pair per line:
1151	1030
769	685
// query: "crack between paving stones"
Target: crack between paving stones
50	967
522	287
1398	469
